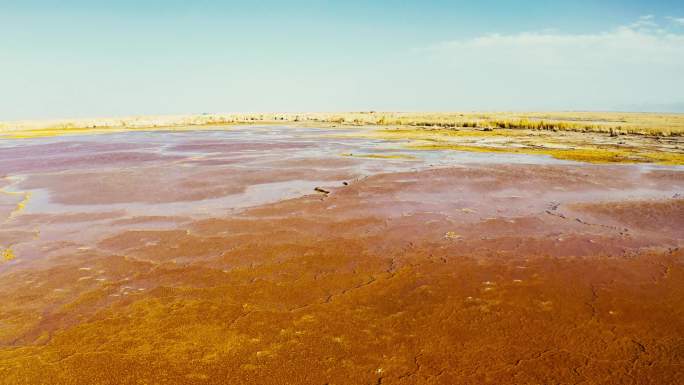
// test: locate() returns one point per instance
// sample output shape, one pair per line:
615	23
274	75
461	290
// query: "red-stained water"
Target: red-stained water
207	257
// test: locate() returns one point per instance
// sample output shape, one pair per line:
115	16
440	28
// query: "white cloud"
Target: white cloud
646	21
677	20
633	64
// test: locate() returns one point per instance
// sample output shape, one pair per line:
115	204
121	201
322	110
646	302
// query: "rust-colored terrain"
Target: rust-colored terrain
208	258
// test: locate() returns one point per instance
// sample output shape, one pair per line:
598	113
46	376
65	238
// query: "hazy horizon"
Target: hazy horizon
75	59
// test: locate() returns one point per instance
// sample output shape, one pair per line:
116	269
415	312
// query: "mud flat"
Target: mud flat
274	254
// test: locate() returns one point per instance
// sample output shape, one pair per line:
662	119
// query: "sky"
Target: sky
77	58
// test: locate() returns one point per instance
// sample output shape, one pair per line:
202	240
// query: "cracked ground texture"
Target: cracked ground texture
471	274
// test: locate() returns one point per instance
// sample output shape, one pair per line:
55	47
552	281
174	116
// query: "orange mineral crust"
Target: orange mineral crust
462	273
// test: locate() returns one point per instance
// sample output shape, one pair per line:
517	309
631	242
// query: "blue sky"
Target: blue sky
109	58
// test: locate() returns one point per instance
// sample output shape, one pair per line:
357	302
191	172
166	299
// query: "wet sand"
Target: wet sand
207	257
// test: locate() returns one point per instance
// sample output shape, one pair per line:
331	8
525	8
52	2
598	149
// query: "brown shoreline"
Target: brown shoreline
471	274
